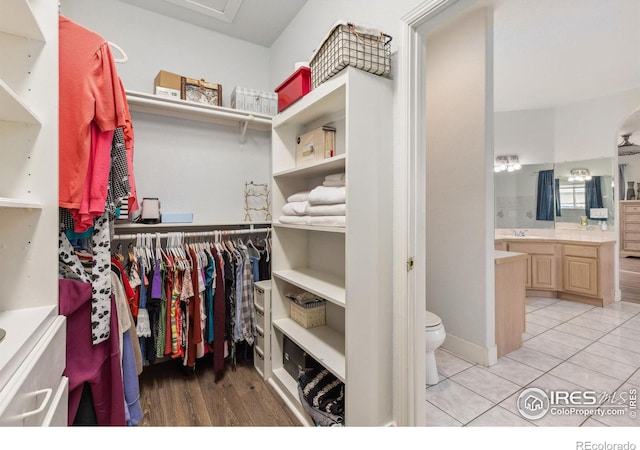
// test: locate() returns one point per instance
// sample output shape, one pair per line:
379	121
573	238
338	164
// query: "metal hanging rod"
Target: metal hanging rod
221	233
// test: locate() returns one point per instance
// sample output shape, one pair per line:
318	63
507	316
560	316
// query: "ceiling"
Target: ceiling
547	53
256	21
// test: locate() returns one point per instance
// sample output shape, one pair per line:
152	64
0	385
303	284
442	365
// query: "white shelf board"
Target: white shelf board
324	344
12	109
154	104
329	287
341	230
322	167
17	18
21	325
187	226
19	203
322	101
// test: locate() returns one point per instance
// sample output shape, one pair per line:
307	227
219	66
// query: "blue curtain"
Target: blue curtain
556	192
622	182
592	196
544	208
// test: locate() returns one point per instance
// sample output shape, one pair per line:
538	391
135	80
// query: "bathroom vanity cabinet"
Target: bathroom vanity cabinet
510	274
572	269
541	263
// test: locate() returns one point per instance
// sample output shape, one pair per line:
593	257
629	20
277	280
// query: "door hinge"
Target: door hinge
409	264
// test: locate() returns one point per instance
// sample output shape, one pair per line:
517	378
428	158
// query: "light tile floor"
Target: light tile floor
567	346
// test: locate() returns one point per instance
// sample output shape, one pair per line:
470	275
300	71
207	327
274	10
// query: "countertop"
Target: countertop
501	256
569	236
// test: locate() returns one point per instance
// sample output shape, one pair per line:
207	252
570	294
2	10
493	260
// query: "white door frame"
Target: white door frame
410	217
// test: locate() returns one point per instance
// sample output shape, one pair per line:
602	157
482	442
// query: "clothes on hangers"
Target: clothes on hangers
197	298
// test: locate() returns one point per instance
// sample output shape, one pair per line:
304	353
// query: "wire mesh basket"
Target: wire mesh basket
346	46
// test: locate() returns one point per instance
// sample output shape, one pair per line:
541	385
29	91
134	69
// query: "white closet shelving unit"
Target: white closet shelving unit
349	267
154	104
32	354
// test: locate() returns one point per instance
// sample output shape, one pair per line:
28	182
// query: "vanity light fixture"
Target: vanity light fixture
508	163
579	175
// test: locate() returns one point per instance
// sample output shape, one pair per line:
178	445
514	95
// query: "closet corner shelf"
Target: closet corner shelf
18	18
153	104
329	287
12	109
323	343
322	167
19	203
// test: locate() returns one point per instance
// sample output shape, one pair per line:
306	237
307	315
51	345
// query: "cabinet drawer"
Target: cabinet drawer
631	217
259	336
631	245
28	396
260	318
631	226
631	209
632	235
532	248
258	359
258	297
580	251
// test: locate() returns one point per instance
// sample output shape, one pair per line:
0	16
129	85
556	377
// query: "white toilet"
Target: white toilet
434	337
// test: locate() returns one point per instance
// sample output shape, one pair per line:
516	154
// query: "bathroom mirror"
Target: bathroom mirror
515	198
575	192
517	194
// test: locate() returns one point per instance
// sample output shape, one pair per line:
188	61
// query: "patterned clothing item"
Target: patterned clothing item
247	319
119	180
237	329
101	280
69	263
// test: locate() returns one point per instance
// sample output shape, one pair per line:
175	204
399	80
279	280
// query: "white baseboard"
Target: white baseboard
470	351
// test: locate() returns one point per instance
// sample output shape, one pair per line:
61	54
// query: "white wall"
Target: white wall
530	134
459	190
316	18
191	167
155	42
591	129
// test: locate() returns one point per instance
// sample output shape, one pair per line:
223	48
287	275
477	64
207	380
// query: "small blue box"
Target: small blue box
176	218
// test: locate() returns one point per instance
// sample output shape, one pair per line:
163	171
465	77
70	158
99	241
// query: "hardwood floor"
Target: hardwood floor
629	270
169	397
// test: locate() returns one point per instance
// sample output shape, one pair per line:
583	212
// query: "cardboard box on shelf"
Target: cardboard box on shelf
167	84
315	145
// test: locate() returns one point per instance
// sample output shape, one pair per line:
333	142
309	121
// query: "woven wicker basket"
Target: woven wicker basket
310	315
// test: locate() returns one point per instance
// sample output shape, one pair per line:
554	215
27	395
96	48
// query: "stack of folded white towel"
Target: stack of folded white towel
323	205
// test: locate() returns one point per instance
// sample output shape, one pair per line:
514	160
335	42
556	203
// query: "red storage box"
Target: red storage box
294	88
